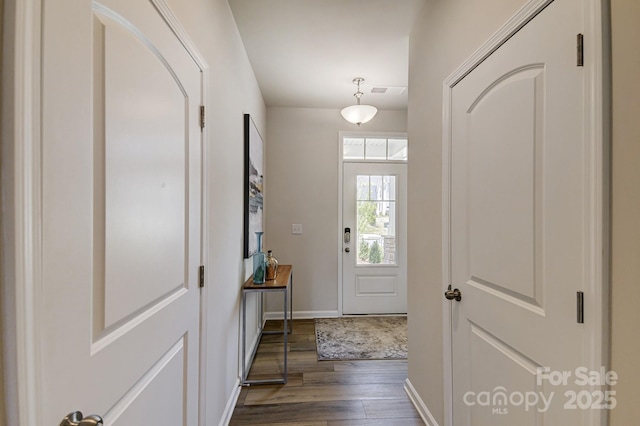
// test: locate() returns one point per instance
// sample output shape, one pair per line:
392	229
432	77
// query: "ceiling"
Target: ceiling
305	53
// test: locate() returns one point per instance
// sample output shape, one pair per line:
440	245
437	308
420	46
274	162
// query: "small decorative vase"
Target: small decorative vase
259	262
272	266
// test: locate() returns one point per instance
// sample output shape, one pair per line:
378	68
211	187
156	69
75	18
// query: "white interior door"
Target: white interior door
119	318
517	224
374	260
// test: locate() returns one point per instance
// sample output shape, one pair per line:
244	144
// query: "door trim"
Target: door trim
22	271
23	214
341	136
597	169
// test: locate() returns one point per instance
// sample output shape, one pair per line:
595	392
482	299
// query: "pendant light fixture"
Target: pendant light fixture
358	114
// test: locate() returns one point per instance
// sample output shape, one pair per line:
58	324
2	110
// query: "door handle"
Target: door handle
76	419
454	294
347	249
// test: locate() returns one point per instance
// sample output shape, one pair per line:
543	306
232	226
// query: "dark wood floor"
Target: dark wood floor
322	393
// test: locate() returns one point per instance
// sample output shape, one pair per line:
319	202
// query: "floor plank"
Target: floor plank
297	412
390	409
354	378
374	422
369	365
322	393
322	423
312	393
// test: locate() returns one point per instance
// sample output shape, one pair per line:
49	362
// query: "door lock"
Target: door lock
454	294
76	419
347	249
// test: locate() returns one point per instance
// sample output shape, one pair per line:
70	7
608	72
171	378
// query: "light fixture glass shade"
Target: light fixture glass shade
358	114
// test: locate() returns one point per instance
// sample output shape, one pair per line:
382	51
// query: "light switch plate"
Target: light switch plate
296	229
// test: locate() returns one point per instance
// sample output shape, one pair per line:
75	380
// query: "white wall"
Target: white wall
625	235
2	379
8	399
302	187
444	35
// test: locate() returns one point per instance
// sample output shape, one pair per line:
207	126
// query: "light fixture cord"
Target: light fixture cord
358	94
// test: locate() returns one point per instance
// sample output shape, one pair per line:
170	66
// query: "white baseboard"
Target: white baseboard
231	405
303	315
424	412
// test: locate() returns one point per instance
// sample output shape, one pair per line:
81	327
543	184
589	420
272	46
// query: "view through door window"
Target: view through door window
376	220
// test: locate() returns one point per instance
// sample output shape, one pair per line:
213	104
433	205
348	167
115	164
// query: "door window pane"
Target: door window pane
398	149
363	188
376	220
353	148
376	149
375	188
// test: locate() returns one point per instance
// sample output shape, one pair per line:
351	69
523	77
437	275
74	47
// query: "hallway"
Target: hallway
323	393
154	267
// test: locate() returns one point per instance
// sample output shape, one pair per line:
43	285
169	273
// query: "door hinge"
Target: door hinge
580	300
201	116
580	50
201	276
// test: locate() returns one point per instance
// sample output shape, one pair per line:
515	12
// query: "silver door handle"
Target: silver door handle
454	294
76	419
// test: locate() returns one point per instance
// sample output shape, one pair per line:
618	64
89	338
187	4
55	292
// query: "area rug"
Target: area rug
350	338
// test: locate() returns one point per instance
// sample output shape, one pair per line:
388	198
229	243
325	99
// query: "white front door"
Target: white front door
518	193
374	259
121	198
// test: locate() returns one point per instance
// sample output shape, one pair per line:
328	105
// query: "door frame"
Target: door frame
341	136
597	169
21	262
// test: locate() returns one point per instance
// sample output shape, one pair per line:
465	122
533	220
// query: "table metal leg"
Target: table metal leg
291	303
285	332
244	336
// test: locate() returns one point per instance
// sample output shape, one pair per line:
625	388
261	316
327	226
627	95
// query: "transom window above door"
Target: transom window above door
375	148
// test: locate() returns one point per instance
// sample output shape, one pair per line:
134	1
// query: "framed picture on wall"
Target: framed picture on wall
253	185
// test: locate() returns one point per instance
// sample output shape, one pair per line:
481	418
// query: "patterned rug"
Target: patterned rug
349	338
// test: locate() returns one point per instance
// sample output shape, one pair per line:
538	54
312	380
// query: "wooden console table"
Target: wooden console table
284	284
